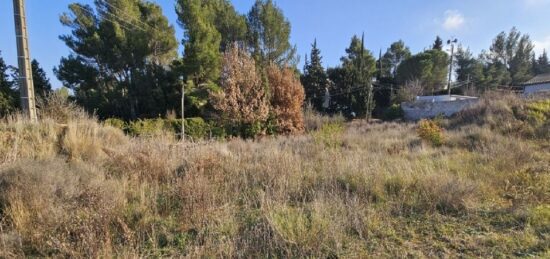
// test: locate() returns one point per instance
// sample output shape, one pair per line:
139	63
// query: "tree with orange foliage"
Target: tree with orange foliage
287	98
243	101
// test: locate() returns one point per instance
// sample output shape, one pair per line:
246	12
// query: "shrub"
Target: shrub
329	135
287	98
148	127
393	112
243	99
196	128
56	106
539	218
314	121
116	123
430	131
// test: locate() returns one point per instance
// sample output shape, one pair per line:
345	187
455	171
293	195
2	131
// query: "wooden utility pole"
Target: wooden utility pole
26	86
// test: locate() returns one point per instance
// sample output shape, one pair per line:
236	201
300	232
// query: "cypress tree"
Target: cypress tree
438	44
315	78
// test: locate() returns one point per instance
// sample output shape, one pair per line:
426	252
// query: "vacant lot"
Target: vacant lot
481	189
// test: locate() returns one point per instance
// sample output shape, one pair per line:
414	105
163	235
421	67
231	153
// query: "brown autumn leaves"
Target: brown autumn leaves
252	96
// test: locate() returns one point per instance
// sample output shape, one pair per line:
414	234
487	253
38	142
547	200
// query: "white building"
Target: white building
537	84
433	106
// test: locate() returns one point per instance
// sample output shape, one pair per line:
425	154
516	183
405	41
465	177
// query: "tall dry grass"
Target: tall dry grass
343	190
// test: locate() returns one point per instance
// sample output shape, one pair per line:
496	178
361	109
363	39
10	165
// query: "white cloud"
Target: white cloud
541	45
454	20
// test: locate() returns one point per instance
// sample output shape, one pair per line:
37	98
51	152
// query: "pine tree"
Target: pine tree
269	35
395	54
359	67
116	68
42	86
542	64
202	41
8	97
438	43
315	78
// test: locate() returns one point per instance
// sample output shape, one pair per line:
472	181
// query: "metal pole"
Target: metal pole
451	68
26	86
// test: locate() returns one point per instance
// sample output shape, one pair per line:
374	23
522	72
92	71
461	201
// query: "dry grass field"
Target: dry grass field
73	187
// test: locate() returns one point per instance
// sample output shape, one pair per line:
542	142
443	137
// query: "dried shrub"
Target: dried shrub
287	98
243	99
59	108
409	91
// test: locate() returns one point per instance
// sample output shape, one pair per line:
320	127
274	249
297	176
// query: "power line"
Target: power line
106	18
128	16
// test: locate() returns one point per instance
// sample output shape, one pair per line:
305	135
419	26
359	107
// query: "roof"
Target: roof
539	79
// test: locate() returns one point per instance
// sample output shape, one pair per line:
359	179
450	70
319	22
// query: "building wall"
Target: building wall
421	110
531	89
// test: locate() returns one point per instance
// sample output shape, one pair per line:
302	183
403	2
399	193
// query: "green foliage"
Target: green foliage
539	111
430	67
314	79
393	112
269	35
201	57
42	86
148	127
542	64
467	66
8	96
396	53
117	69
438	44
358	68
430	131
117	123
329	135
514	52
539	218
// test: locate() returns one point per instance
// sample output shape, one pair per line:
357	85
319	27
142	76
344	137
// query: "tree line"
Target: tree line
240	70
510	61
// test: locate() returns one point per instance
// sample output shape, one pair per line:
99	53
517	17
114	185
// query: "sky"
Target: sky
332	22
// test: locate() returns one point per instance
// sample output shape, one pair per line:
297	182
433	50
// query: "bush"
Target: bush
58	107
116	123
430	131
148	127
393	112
329	135
287	98
196	128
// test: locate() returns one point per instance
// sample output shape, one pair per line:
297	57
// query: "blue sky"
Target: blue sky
474	22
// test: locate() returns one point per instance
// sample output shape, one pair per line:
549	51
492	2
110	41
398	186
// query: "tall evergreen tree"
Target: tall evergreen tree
514	52
8	96
359	67
438	43
201	41
42	86
116	49
230	24
542	64
269	35
467	66
315	78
